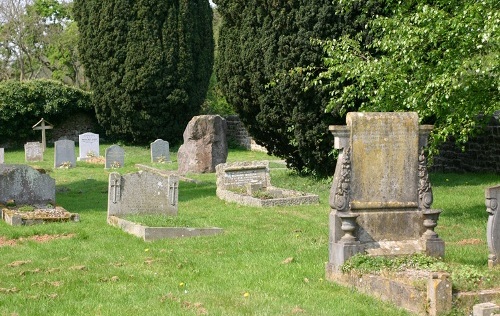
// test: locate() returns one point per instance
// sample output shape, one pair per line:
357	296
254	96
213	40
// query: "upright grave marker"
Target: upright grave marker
88	144
33	151
160	151
2	155
381	194
43	125
64	153
492	195
115	157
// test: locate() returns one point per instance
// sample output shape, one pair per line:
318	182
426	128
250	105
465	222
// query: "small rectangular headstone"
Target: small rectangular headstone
33	151
64	153
160	151
2	155
88	144
241	174
142	192
115	157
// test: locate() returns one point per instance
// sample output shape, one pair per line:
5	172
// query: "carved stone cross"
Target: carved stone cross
41	125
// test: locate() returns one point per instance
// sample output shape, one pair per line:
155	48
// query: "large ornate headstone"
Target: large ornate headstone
160	151
64	153
88	144
205	144
33	151
115	157
381	196
492	195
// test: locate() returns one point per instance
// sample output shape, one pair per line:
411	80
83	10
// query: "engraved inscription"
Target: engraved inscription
237	178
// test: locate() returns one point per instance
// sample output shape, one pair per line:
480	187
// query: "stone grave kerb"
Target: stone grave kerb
492	200
381	196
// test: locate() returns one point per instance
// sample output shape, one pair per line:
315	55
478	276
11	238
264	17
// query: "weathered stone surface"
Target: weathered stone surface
88	145
155	233
64	153
33	151
381	179
249	183
114	157
25	185
492	197
142	192
205	145
160	151
2	155
485	309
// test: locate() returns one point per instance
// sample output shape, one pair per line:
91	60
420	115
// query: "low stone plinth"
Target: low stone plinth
14	217
154	233
268	199
420	292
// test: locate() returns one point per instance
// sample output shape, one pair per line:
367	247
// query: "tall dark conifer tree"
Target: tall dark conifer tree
259	43
148	62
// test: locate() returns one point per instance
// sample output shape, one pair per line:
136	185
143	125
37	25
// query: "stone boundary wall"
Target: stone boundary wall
482	153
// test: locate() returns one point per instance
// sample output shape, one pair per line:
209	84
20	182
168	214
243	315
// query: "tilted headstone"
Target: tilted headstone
160	151
2	155
205	144
33	151
492	195
64	153
115	157
142	192
88	144
25	185
381	195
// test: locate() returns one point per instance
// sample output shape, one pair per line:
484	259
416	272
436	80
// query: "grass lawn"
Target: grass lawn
267	262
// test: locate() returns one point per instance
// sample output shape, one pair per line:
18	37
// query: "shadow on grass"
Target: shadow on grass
83	195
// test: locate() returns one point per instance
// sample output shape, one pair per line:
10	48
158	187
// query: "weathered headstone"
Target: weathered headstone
205	144
381	194
249	183
160	151
2	155
33	151
88	144
115	157
492	195
64	153
25	185
142	192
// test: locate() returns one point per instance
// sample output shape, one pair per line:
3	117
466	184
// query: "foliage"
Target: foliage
148	62
23	103
259	42
37	40
440	59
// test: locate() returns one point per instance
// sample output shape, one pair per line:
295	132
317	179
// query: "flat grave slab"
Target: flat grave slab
16	216
249	183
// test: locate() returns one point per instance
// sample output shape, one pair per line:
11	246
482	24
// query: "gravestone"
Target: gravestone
64	153
249	183
160	151
25	185
205	145
115	157
381	195
43	125
142	192
492	195
33	151
2	155
88	144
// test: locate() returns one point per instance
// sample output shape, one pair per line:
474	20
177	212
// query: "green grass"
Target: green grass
102	270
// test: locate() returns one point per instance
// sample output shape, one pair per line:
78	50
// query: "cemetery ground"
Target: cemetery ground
268	261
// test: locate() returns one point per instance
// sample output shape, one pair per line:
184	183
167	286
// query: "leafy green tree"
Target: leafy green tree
148	62
438	58
260	41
